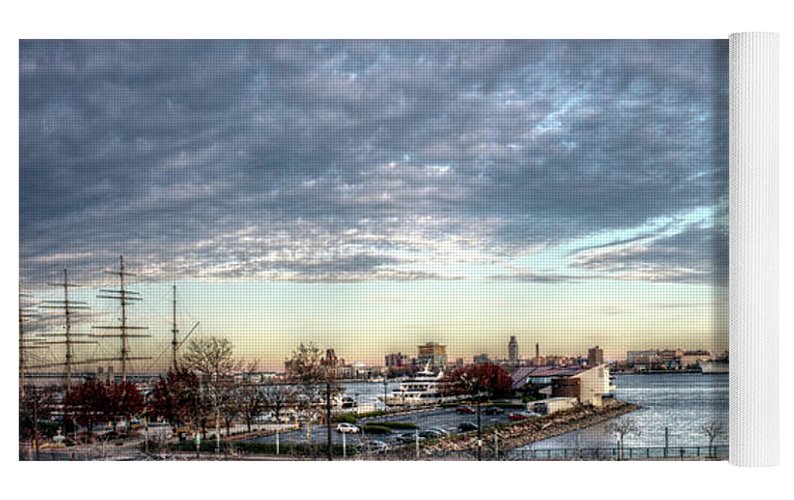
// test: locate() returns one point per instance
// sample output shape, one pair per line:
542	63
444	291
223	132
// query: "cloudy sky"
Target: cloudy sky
372	195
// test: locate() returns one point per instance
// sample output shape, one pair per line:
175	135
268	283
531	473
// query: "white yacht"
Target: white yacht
423	389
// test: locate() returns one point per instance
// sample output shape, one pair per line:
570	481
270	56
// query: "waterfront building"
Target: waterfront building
397	360
588	385
552	405
432	354
594	385
512	350
595	356
692	359
642	359
481	359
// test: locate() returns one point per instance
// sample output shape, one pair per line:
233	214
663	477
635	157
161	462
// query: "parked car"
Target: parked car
440	430
522	415
465	410
494	410
467	426
431	434
373	446
345	428
409	437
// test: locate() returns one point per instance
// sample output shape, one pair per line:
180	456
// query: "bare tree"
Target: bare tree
714	430
317	377
249	398
278	397
212	360
621	429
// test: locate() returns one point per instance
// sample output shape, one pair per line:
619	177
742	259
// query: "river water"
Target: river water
682	403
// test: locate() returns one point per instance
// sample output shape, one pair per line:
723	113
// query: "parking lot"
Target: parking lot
447	419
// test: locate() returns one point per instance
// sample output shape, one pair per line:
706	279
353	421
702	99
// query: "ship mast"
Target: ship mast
25	343
69	307
125	297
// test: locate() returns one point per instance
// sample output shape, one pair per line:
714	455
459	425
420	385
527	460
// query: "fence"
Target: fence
635	453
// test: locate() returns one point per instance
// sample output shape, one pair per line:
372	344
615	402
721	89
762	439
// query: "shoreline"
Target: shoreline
516	435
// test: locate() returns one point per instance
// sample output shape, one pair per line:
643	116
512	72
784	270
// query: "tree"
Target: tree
177	399
36	405
90	404
94	402
621	429
317	376
713	430
212	361
278	397
480	381
249	401
124	400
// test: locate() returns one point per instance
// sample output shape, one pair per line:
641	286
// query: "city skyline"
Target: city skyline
373	196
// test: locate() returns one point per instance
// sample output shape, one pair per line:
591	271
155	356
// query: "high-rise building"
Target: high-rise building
512	350
595	356
432	354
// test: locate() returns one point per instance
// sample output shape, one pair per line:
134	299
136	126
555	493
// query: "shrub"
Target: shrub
348	418
395	425
375	429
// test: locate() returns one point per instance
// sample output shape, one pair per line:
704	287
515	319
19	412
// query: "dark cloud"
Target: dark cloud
696	255
336	160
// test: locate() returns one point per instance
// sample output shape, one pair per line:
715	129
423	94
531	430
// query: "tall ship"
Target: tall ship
423	389
713	367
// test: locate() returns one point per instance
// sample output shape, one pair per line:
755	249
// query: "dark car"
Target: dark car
494	410
373	446
467	427
409	437
465	410
431	434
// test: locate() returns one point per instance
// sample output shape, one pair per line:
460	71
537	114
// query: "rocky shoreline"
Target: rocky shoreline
520	434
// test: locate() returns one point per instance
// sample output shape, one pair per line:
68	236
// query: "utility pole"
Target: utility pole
174	331
125	298
328	418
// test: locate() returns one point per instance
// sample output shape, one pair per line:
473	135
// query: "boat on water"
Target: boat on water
713	367
423	389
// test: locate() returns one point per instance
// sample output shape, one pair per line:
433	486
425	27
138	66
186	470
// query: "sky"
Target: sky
369	196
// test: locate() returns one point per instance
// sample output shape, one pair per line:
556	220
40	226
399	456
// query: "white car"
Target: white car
345	428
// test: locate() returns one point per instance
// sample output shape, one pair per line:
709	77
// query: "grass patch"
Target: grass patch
375	429
395	425
247	447
347	418
507	405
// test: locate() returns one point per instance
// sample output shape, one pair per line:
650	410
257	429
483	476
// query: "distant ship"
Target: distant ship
423	389
713	367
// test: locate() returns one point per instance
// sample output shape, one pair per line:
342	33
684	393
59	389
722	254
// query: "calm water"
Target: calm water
683	403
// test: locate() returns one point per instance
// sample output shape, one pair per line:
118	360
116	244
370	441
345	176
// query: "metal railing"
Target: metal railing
614	453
